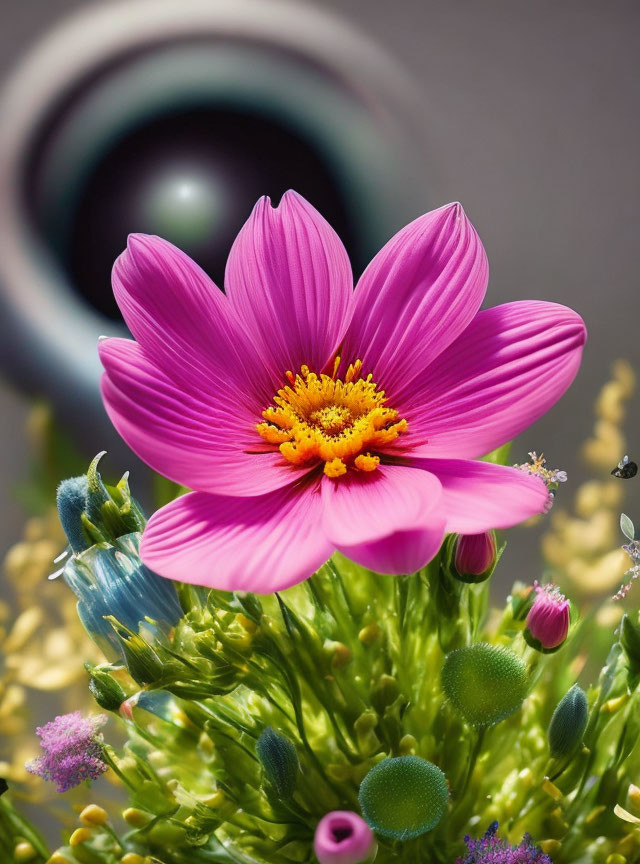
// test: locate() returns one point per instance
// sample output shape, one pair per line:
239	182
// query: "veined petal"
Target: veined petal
479	496
508	368
289	281
200	440
183	321
387	519
417	295
260	544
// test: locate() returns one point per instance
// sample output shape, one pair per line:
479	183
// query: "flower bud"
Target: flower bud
91	512
280	762
475	556
94	815
549	618
343	837
105	689
80	836
72	502
403	797
136	818
134	858
24	853
568	723
484	683
143	663
111	580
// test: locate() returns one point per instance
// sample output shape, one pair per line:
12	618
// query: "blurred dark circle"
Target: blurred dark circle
173	118
191	178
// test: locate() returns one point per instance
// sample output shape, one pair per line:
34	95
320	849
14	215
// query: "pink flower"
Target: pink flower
549	618
72	750
309	417
343	837
475	554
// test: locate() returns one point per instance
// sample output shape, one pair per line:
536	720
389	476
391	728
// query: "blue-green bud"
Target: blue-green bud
91	512
72	503
403	797
280	762
568	723
484	683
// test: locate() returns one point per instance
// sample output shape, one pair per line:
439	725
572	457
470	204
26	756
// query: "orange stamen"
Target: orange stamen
318	418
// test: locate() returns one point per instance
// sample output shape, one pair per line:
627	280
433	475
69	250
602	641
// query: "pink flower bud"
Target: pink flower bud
475	555
343	837
126	708
549	617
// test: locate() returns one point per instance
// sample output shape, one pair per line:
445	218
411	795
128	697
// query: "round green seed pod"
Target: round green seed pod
484	683
568	723
403	797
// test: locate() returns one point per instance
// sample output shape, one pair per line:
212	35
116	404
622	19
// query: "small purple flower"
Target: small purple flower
489	849
549	617
343	837
73	750
475	555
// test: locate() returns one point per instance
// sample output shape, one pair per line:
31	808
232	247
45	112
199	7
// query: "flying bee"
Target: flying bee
625	469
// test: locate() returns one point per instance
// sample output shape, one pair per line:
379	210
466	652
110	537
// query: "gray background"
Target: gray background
532	110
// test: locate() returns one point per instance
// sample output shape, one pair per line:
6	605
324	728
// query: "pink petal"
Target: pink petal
183	321
387	520
401	552
194	438
510	365
417	295
289	281
479	496
259	544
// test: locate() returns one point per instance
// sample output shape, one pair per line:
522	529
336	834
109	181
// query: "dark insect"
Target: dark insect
625	469
3	786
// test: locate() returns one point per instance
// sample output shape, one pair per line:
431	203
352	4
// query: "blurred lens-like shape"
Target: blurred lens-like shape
189	176
173	118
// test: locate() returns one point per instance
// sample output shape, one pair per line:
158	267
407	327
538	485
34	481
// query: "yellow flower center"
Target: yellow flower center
322	418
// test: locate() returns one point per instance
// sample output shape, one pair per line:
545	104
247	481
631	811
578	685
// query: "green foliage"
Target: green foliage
371	682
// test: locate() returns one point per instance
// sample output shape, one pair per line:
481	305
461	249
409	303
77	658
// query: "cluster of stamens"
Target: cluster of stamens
321	418
551	477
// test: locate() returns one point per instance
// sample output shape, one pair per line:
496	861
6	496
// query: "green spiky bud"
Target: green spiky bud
91	512
568	723
280	762
104	688
485	683
143	663
403	797
111	511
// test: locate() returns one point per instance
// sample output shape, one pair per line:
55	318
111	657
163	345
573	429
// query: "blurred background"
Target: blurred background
174	116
